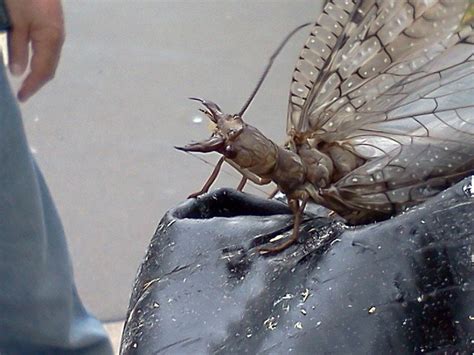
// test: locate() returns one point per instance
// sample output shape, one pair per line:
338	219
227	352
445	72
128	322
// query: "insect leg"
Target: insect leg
273	193
297	210
242	183
210	180
248	175
259	182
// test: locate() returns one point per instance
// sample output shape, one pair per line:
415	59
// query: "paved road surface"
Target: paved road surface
103	131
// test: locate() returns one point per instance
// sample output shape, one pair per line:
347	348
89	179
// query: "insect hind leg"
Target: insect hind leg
297	210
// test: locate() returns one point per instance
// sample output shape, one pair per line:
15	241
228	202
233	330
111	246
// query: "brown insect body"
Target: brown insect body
250	151
381	112
300	174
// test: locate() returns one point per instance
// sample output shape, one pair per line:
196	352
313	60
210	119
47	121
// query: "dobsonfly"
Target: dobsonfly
380	117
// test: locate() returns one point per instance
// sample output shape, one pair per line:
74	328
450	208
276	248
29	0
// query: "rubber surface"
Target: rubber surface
400	286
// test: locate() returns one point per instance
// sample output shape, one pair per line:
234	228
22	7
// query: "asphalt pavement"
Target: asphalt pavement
103	131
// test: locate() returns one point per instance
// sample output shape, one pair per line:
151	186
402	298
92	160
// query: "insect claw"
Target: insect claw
214	111
207	113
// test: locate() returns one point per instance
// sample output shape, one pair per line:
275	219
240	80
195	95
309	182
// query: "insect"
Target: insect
380	117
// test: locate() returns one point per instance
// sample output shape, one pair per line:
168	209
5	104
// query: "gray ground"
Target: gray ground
103	131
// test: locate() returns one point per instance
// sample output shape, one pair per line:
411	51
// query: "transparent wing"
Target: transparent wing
360	49
418	137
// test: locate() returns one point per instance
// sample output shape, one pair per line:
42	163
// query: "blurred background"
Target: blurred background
103	131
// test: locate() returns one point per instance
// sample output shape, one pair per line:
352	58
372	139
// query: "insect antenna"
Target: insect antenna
269	65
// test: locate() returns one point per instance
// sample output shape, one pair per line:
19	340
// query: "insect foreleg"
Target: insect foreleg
210	180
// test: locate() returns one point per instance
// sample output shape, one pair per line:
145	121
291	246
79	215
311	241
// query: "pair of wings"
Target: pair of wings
391	81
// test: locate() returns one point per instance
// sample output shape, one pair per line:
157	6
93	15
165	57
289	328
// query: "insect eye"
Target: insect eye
230	152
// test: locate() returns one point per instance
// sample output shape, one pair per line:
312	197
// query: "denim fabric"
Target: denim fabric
40	311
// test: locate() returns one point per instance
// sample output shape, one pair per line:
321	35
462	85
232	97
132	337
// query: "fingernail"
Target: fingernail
16	69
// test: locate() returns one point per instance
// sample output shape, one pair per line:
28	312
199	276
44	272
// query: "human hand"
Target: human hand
41	23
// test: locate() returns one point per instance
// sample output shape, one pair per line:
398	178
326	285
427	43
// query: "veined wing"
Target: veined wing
358	50
418	137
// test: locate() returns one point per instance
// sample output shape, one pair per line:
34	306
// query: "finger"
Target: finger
46	52
18	49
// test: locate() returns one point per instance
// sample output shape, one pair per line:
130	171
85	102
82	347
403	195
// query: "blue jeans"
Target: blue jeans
40	311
